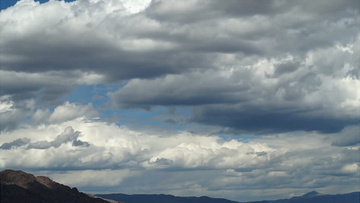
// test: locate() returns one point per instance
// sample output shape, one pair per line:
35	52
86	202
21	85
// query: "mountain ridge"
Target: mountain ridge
162	198
316	197
18	186
310	197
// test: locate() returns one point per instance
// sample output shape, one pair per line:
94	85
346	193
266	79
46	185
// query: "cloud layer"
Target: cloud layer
132	93
284	62
116	157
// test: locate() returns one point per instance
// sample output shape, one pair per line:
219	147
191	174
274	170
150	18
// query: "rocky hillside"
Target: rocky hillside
21	187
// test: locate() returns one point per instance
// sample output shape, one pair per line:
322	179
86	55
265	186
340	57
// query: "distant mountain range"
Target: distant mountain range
162	199
311	197
21	187
315	197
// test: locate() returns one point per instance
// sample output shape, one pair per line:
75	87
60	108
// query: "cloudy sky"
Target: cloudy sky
245	100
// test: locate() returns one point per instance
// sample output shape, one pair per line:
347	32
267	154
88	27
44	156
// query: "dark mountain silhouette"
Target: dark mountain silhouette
142	198
21	187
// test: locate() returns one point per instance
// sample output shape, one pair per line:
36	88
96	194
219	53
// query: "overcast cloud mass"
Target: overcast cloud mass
245	100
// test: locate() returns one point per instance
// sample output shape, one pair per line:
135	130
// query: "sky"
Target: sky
245	100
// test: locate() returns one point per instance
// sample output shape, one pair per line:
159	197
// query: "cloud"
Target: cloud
80	143
262	120
93	177
278	95
15	114
349	136
40	145
92	51
268	91
350	168
45	87
196	54
14	144
183	90
77	39
252	162
12	114
69	135
282	161
69	111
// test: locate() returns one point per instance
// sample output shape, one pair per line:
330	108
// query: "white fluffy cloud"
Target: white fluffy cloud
67	111
118	157
19	114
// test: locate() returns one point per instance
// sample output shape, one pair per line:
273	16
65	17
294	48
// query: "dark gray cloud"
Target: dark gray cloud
286	67
284	57
253	118
294	83
183	90
46	88
69	135
12	114
127	52
14	144
350	136
87	49
40	145
273	96
79	143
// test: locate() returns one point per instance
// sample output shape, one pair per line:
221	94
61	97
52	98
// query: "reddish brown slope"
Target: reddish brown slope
18	186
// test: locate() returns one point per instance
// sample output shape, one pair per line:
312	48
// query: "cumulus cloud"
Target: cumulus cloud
270	95
69	111
281	160
15	114
16	143
69	135
307	86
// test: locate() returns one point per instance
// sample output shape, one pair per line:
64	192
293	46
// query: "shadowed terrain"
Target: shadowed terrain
18	186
